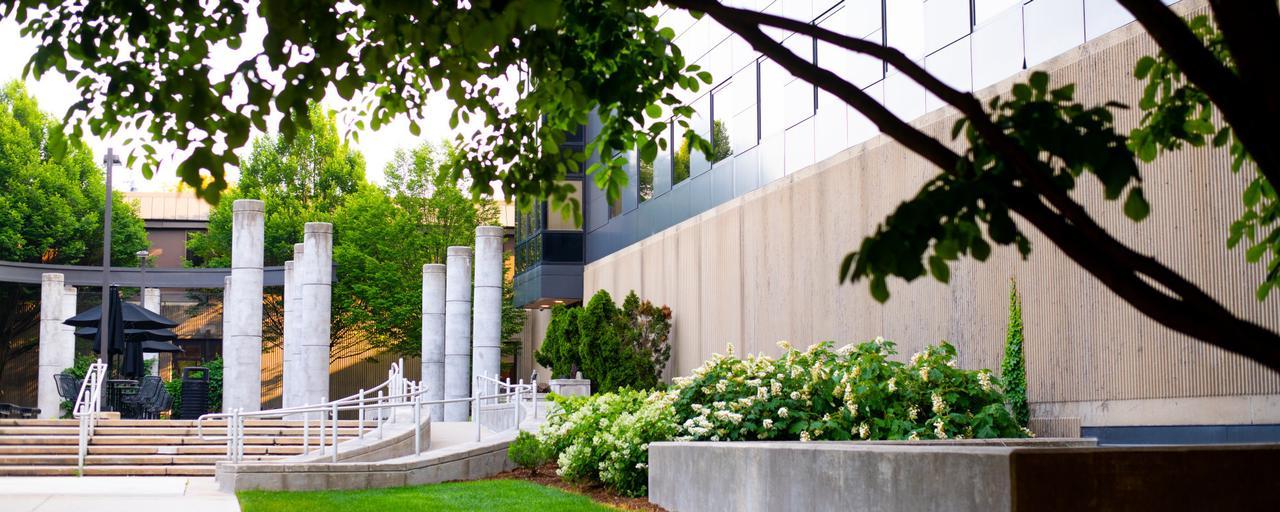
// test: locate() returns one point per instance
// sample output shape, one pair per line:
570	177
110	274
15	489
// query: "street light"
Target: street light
142	270
104	332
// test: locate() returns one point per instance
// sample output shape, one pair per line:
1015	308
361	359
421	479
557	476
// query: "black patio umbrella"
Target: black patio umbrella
150	347
133	316
132	334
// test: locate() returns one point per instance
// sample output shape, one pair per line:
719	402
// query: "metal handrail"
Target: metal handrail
88	407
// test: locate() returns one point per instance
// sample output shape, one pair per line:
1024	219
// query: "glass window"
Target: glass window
904	26
860	17
1052	27
773	80
722	115
984	10
700	123
997	48
945	21
644	178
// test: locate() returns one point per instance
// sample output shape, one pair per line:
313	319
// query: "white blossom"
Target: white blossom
939	405
804	436
984	380
782	412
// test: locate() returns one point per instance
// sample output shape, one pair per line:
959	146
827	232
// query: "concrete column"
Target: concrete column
293	366
53	356
316	281
487	315
242	343
457	332
151	302
433	310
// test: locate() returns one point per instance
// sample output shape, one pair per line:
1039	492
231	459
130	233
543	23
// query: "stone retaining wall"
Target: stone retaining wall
1007	475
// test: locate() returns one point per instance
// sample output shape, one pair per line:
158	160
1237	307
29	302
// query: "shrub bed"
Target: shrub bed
850	393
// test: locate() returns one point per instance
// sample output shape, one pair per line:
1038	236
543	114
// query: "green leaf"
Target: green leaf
879	290
1135	205
845	266
1254	254
653	110
939	269
1021	92
1039	81
1143	67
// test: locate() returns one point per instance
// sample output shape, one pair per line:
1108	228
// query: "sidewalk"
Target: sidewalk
113	494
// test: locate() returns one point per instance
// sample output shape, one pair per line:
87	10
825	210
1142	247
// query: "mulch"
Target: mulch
546	475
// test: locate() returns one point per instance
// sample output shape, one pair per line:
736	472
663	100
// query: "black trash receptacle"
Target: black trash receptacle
195	392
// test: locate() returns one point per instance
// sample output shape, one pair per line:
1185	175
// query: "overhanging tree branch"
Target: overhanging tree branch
1228	91
1192	311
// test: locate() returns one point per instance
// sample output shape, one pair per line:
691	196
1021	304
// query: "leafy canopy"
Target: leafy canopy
152	67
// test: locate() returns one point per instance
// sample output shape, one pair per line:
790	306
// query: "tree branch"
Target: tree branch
1228	91
1070	228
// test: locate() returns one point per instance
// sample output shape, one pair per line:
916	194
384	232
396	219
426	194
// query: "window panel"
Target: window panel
1052	27
799	100
984	10
1102	16
862	17
860	128
773	80
903	96
997	48
723	116
700	123
904	26
952	66
945	21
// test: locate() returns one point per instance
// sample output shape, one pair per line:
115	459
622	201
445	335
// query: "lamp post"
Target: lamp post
142	271
111	160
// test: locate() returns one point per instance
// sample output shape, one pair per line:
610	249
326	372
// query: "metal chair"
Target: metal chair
68	386
148	391
161	403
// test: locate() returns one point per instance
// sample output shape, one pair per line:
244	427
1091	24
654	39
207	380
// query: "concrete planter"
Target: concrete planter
571	387
977	475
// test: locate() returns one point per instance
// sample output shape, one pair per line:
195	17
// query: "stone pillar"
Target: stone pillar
315	280
151	302
487	314
433	325
242	337
457	332
293	365
53	356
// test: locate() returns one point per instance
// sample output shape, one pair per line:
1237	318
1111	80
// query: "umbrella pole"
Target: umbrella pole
104	348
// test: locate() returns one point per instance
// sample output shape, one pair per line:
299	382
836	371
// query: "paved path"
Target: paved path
114	494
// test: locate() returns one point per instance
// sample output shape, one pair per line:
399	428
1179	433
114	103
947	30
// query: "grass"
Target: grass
489	495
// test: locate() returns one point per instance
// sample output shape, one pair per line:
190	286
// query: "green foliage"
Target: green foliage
80	367
528	452
605	437
381	237
578	57
174	387
1176	112
946	218
854	393
559	350
51	205
615	348
1013	368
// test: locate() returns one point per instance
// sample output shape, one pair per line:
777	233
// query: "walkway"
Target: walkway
113	494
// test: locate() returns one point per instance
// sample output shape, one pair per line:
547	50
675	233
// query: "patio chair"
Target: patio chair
68	386
6	410
161	403
148	391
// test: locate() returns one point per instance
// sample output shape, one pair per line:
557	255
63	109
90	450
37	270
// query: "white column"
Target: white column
53	357
316	280
487	313
242	343
293	366
433	284
151	302
457	332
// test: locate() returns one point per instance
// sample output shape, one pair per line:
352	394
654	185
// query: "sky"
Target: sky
55	95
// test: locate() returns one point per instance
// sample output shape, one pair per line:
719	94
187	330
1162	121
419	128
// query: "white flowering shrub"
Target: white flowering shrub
855	392
606	437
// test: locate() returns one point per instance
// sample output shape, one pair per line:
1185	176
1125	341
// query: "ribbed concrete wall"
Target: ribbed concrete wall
762	268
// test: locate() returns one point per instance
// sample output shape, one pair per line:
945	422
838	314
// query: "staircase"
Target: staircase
144	447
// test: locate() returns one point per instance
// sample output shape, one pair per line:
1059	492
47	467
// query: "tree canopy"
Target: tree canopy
569	58
382	237
50	209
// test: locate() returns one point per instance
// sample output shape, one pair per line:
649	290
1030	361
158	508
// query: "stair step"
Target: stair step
71	470
11	422
120	460
168	431
73	449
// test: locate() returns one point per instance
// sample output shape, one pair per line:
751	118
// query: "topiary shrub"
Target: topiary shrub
528	452
646	331
1013	369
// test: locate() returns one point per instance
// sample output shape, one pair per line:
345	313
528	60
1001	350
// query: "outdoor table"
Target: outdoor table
116	391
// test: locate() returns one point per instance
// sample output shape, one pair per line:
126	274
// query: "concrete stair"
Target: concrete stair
144	447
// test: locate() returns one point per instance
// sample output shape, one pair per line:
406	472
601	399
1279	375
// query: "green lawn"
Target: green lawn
488	495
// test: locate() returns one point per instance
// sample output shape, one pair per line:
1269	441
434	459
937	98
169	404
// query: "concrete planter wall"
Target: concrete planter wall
982	475
571	387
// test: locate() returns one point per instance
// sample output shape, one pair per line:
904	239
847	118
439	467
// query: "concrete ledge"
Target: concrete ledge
977	475
467	461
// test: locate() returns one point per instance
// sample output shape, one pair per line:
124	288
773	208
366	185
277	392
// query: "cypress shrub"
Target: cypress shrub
1013	368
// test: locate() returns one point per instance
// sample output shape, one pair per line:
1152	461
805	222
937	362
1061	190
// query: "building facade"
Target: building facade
744	245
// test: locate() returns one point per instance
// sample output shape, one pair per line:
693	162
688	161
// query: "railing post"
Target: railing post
380	419
417	424
360	426
519	392
475	406
306	431
334	407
